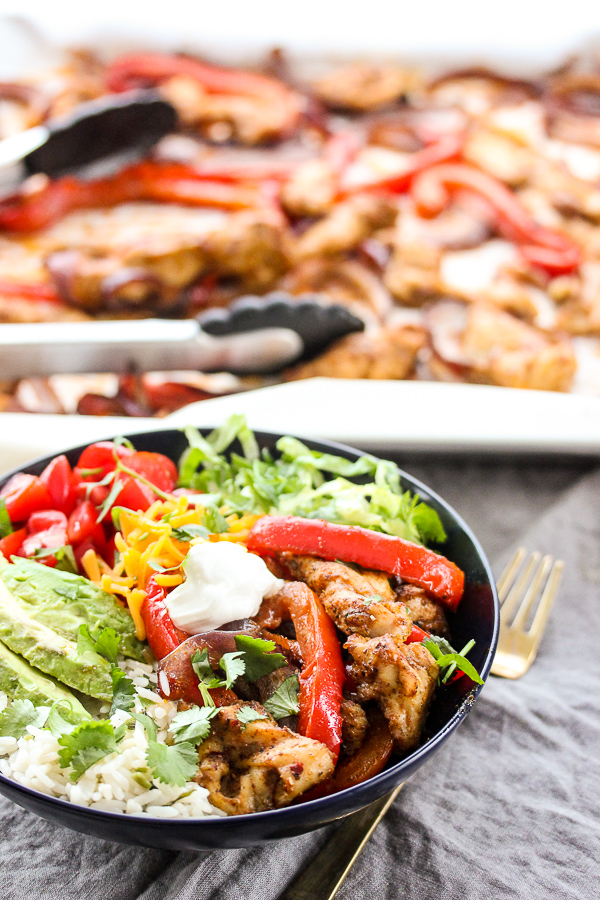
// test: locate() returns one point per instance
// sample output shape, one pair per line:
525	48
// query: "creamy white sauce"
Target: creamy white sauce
223	583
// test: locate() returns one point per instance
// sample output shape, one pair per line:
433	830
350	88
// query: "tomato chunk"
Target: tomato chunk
23	495
11	544
61	483
158	469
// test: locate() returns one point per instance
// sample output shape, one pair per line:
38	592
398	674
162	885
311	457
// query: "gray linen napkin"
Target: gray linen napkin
507	809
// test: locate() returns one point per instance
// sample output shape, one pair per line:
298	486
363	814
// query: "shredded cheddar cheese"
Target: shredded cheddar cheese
147	546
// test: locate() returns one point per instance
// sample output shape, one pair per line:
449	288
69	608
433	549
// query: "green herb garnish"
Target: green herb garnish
284	701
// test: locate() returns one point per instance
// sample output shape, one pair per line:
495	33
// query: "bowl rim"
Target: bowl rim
389	774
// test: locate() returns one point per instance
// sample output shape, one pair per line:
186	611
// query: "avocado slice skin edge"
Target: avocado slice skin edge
53	654
20	681
63	602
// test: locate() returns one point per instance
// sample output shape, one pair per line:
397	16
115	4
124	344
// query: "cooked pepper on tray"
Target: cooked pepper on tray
288	620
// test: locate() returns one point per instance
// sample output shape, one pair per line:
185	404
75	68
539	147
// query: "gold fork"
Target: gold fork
519	589
517	649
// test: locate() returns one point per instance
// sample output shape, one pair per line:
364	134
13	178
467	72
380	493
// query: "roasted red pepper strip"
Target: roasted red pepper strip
371	549
322	676
161	634
417	635
367	762
149	180
446	148
431	190
29	291
128	72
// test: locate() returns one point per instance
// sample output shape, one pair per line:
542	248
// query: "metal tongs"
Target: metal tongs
254	334
99	138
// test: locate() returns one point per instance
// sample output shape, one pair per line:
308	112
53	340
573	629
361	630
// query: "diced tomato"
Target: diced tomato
23	495
134	495
101	456
46	528
82	522
158	469
61	483
11	544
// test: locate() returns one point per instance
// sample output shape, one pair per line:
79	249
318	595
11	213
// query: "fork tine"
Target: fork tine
532	593
508	575
543	611
518	588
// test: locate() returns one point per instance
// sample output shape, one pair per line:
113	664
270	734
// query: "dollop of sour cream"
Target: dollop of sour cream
223	583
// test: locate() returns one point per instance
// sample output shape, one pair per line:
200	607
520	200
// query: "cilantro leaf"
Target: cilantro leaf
453	661
105	642
147	722
284	701
6	526
172	765
160	568
65	560
112	496
258	656
247	714
372	598
233	666
86	745
193	724
123	690
214	521
189	532
203	669
15	718
62	719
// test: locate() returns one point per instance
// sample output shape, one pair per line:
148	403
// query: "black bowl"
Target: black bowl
477	617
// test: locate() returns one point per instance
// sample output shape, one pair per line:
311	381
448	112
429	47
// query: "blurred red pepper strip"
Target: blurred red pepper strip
142	69
322	676
446	148
29	291
371	549
148	180
431	190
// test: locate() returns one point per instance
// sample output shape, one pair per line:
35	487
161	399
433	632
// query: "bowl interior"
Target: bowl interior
477	617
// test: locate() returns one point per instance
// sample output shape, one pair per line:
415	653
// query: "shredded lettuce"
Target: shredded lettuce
304	482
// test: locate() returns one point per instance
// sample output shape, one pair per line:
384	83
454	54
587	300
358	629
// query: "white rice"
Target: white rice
120	782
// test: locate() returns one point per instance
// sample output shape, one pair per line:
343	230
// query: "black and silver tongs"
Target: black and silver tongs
111	131
254	334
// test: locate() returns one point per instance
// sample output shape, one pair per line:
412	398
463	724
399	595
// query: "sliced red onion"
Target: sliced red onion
446	322
112	286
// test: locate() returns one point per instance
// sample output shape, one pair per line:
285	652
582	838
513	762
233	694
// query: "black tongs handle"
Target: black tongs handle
110	126
318	322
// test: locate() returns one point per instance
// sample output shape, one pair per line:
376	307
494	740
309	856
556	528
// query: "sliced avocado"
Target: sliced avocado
64	601
51	652
20	681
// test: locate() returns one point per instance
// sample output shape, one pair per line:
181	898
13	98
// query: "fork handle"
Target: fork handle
323	877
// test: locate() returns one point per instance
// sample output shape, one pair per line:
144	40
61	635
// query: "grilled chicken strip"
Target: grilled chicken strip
258	766
360	602
400	677
354	726
423	610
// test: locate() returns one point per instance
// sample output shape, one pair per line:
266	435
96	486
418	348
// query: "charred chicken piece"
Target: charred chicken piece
346	226
251	767
354	726
385	353
423	609
359	602
363	87
400	677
